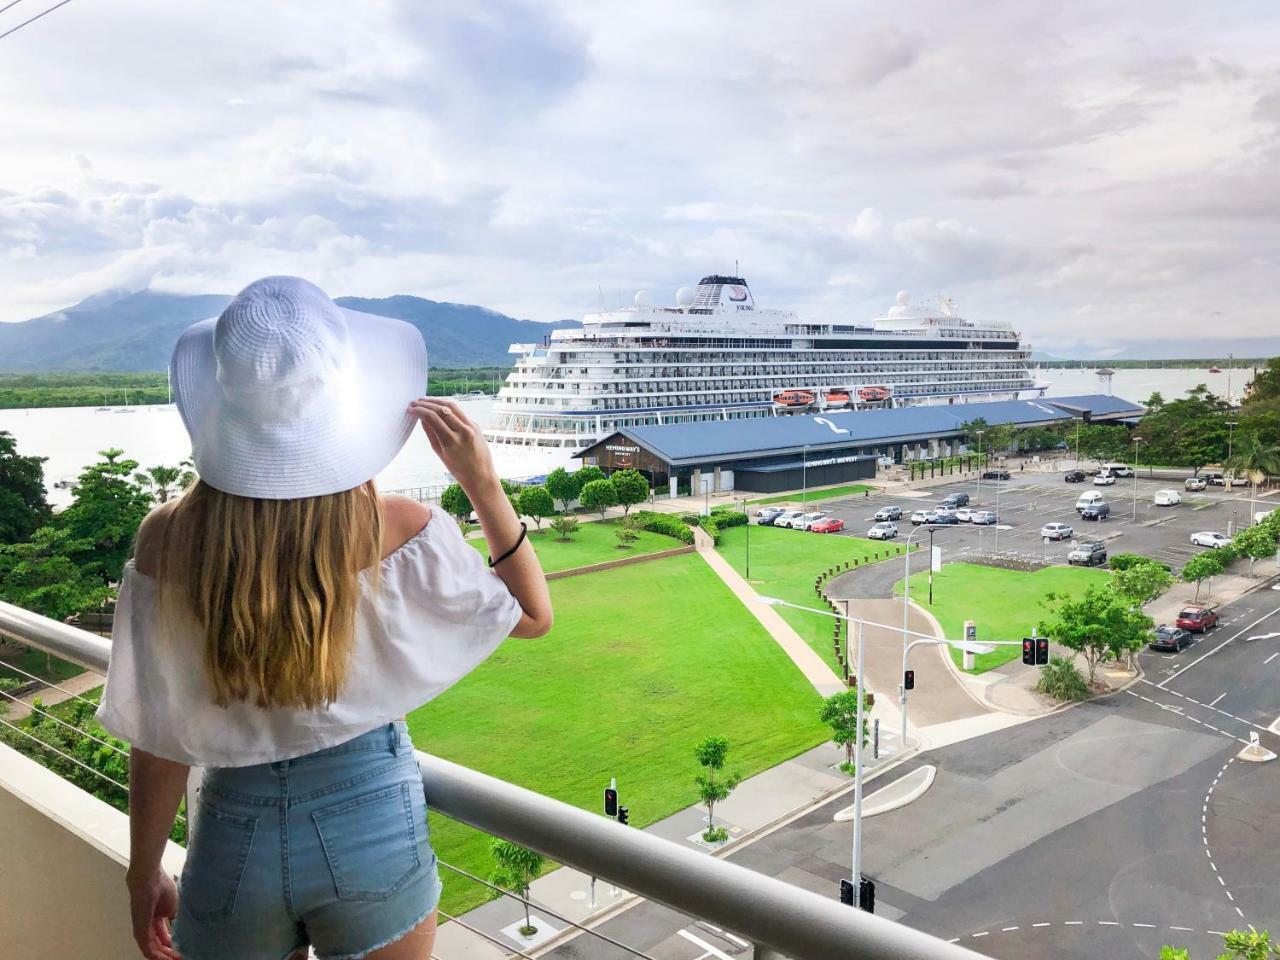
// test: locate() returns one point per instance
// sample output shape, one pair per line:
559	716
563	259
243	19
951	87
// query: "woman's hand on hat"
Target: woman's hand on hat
457	441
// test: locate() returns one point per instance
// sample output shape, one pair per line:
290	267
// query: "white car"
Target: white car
1167	498
808	520
1057	531
785	519
920	516
883	531
1207	538
1104	480
889	513
964	514
1118	470
944	512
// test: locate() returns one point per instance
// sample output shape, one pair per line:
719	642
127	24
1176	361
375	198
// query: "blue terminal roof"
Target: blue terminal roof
835	429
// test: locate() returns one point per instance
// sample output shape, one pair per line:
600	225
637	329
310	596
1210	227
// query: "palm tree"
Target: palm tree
163	481
1256	461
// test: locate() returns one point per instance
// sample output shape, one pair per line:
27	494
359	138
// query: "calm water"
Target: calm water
71	436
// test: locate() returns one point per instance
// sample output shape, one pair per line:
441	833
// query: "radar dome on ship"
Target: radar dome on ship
684	297
642	298
903	298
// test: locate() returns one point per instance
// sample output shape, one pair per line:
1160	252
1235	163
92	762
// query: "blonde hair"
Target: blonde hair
274	584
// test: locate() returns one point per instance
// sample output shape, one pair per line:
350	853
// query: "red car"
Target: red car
1197	619
829	525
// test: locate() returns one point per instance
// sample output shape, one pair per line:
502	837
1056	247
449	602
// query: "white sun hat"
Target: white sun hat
288	395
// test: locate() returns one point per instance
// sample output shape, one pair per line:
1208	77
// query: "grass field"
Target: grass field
593	543
1005	604
643	662
36	662
814	496
784	564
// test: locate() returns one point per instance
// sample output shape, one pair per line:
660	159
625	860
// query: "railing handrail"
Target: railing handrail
797	923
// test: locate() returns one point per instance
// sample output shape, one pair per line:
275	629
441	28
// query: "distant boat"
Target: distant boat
793	399
1215	369
470	395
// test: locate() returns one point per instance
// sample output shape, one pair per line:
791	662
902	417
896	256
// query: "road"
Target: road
1102	831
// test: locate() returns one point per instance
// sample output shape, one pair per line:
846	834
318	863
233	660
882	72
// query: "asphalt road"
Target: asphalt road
1103	831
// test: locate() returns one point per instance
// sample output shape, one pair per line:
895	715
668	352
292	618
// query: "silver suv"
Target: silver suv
1088	553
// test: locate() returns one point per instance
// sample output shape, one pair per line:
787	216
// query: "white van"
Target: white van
1092	498
1121	470
1167	498
1262	515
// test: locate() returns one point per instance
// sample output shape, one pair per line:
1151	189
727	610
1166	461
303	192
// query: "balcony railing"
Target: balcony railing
778	919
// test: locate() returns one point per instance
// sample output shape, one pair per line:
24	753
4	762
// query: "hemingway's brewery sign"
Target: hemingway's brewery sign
623	454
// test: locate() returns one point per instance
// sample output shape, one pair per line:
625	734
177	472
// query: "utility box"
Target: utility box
970	636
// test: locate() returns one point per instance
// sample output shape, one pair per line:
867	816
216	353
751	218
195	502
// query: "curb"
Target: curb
912	795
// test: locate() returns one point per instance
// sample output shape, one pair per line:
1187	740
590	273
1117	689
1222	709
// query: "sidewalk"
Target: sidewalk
75	686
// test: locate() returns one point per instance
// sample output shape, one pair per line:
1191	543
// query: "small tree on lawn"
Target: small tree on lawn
565	528
564	486
1256	543
626	533
1202	567
840	713
711	754
455	502
630	487
515	868
599	495
536	502
1101	623
586	474
1144	581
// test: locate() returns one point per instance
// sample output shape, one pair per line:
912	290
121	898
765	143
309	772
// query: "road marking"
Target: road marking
982	934
1217	698
1110	923
699	942
1072	923
1218	647
1198	703
1150	926
1270	658
1040	924
1007	929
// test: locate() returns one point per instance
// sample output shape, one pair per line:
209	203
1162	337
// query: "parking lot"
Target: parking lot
1027	502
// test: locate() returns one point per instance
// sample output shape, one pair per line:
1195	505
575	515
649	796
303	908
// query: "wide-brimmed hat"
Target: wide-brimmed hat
288	395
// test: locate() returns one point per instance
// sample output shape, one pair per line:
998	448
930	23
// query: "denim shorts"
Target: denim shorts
329	850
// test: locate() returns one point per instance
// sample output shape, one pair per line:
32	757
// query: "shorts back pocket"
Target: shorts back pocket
215	863
370	842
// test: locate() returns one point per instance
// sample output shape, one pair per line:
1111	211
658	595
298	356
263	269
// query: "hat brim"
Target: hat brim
348	438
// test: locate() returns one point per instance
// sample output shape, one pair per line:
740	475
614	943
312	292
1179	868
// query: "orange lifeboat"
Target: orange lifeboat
793	399
836	398
873	394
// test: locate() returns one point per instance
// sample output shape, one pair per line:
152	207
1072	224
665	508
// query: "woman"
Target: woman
280	619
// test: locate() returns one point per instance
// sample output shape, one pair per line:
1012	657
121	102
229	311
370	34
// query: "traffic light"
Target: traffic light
846	892
610	802
624	815
1029	652
1042	651
909	679
867	894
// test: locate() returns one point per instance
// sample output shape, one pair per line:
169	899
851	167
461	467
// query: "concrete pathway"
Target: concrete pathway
74	686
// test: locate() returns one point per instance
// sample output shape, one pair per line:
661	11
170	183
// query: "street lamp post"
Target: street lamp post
804	476
979	434
1136	441
1078	422
1231	426
748	516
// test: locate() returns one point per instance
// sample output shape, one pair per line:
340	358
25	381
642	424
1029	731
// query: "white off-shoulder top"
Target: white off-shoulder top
436	613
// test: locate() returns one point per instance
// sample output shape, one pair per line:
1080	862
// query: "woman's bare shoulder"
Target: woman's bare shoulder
146	545
403	519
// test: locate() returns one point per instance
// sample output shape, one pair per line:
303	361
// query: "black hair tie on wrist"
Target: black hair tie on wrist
524	529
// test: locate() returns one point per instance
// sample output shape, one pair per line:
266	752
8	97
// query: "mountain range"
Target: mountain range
1155	348
121	331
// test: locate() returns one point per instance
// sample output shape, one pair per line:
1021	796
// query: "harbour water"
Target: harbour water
71	436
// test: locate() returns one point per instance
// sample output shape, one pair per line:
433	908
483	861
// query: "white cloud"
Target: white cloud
1085	167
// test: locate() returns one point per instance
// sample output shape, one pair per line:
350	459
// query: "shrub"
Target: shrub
629	487
690	518
455	502
626	533
1125	561
565	528
598	495
535	502
663	523
729	518
709	525
1061	680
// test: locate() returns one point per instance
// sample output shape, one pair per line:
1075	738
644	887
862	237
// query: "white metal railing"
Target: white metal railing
779	919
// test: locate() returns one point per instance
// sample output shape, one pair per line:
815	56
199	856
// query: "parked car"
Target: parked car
829	525
1197	618
889	513
1088	553
1104	479
954	500
1096	511
766	515
983	518
944	518
808	520
964	515
1208	538
1167	498
883	531
1074	476
1194	483
995	474
1088	500
1231	480
942	510
1214	479
1122	470
786	516
1169	638
1057	531
919	517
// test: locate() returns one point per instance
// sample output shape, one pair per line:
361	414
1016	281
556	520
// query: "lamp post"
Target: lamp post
979	434
1231	426
1078	422
748	516
804	476
1136	441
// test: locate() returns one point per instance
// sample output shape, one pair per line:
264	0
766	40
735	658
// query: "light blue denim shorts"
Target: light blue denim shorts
329	850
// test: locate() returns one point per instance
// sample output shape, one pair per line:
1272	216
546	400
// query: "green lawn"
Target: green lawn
784	564
815	496
37	662
593	543
643	662
1005	604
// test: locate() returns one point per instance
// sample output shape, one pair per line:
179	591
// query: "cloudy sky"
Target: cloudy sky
1087	170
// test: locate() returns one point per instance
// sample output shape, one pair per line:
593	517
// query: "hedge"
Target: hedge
663	523
729	518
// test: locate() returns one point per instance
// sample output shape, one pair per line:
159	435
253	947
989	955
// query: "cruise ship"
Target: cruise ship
716	355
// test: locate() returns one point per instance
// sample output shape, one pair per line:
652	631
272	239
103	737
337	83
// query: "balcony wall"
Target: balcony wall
63	855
